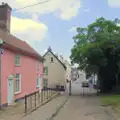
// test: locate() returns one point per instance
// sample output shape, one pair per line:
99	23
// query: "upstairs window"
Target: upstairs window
38	66
52	59
17	60
45	70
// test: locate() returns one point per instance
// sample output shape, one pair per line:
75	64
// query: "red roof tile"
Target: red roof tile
12	41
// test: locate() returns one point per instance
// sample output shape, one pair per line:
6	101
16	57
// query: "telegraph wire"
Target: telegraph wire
31	5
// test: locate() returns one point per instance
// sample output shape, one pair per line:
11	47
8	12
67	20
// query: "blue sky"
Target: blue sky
57	21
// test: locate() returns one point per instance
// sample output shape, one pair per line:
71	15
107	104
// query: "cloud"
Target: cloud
63	9
73	29
114	3
28	29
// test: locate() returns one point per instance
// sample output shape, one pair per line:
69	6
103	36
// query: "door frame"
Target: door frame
11	77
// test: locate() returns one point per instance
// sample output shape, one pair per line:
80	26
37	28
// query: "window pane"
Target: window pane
18	82
17	59
45	70
38	81
45	83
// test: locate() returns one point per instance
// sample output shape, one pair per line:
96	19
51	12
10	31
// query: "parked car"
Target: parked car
85	84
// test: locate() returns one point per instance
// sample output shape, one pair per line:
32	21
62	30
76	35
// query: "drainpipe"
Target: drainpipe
0	83
1	52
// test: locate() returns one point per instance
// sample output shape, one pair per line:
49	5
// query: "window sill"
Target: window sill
17	92
45	74
37	87
17	65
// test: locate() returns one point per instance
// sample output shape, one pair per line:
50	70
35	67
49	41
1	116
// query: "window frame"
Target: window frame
17	59
38	81
51	59
38	66
17	92
45	73
45	83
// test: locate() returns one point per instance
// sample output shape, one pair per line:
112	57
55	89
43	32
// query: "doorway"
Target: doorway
10	90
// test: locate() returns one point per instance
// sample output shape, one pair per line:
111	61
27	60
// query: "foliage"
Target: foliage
97	50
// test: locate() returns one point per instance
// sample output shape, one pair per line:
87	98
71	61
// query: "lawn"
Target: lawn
113	101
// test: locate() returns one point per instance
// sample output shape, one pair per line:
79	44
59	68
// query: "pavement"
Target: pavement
42	113
84	108
77	107
45	112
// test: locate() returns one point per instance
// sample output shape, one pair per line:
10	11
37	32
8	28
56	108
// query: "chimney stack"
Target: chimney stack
5	17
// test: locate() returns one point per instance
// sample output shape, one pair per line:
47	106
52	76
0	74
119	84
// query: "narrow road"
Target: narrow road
84	108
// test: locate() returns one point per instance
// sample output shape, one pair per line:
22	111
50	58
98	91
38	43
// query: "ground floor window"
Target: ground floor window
18	83
45	83
38	81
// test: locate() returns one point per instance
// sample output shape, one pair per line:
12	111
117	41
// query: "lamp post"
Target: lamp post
1	52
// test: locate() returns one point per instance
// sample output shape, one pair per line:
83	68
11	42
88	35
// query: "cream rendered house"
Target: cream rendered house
54	70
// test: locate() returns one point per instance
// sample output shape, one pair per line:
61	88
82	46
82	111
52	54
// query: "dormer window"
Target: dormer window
51	59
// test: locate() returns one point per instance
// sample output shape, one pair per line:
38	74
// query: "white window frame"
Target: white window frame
17	61
38	82
16	92
44	71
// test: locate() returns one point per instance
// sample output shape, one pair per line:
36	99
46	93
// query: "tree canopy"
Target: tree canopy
97	51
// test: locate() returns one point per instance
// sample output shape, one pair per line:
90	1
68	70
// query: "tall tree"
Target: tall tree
97	51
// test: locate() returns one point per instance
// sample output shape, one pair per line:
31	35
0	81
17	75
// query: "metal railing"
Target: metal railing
36	99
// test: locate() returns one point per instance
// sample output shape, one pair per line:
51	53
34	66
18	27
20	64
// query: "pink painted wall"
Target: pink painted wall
28	72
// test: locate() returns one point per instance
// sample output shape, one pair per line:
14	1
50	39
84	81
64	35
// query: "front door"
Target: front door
10	90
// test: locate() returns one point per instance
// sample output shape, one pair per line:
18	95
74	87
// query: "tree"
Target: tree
97	51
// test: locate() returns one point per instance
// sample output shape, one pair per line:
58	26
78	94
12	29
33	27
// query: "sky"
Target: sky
54	23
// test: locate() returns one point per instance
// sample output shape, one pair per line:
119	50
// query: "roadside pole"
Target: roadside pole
70	88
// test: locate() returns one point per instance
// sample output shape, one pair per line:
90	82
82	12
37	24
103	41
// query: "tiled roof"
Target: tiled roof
12	41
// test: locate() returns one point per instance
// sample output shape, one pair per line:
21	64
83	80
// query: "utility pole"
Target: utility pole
70	88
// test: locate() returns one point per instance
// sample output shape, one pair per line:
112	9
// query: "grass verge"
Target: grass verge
112	101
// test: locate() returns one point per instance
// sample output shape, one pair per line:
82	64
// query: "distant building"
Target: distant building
68	70
93	79
54	70
77	75
74	74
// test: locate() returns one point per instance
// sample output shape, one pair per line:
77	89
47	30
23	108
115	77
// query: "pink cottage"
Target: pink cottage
21	67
